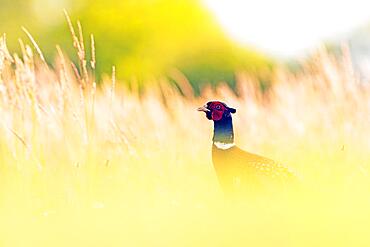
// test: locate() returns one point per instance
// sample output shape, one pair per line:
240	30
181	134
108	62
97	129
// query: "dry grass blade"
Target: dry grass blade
113	85
77	74
4	52
35	45
76	42
82	54
19	138
80	49
182	83
63	71
93	61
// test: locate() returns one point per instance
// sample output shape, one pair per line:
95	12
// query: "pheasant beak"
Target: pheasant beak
203	108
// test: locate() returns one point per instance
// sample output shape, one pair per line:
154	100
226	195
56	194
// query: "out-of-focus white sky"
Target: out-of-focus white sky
289	27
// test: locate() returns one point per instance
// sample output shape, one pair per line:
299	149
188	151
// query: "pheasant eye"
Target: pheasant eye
218	107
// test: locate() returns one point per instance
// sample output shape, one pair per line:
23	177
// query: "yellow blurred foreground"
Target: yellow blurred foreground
87	165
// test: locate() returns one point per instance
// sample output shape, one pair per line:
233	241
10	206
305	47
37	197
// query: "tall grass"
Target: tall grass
109	165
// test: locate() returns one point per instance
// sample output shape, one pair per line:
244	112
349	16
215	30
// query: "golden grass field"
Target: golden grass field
111	165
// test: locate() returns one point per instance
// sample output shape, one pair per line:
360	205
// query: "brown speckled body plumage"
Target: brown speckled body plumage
239	171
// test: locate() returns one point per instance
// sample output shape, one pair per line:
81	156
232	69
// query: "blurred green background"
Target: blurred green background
144	39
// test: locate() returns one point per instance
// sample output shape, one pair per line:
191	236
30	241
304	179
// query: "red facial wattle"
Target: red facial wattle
217	111
217	115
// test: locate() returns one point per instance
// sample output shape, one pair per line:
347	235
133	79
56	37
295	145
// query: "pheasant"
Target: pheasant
238	171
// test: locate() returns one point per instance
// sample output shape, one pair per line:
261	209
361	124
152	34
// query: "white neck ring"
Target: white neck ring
224	146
